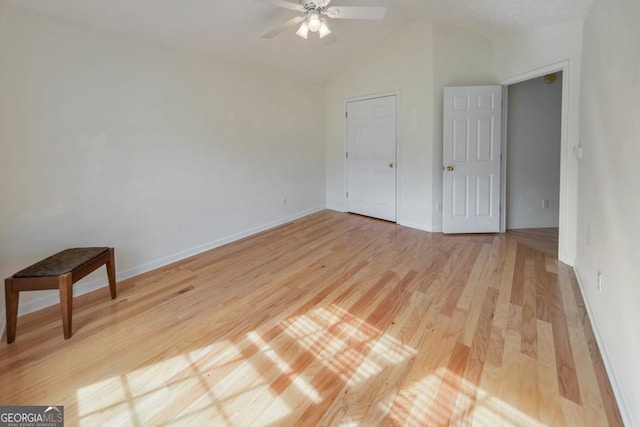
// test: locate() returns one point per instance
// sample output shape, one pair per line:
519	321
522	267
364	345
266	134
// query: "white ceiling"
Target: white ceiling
231	29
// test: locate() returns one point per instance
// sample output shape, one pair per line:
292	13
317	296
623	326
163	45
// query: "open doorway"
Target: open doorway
533	161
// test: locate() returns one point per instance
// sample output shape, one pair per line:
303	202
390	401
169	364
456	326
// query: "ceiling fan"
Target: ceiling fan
314	13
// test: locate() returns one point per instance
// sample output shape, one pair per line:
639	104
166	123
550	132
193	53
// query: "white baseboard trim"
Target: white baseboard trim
627	417
567	259
337	208
518	226
51	298
417	226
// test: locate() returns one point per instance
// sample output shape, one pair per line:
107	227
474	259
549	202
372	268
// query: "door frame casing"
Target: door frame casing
395	93
565	152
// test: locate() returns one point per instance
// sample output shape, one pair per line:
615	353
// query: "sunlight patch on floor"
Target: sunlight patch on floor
446	398
285	368
230	379
99	399
351	338
132	399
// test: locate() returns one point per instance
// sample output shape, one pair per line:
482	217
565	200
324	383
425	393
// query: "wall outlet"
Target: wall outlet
599	282
545	204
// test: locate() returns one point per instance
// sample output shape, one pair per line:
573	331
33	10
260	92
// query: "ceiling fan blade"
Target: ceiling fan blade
356	12
290	23
285	5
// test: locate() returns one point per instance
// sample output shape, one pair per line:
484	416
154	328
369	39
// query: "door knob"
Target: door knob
450	168
392	165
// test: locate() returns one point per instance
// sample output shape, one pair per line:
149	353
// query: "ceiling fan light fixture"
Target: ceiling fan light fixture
314	22
303	31
312	14
324	29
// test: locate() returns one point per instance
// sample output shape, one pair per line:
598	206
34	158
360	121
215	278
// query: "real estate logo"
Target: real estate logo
31	416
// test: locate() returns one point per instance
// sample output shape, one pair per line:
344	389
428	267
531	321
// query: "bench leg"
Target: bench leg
111	273
11	305
65	285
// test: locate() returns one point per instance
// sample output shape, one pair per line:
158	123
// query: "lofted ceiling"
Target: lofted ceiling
230	29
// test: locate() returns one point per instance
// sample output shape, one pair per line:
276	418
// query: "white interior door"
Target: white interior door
371	157
472	145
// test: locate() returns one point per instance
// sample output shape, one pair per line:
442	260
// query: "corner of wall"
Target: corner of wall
604	353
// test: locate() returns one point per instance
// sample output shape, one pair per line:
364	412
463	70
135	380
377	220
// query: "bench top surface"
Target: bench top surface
61	263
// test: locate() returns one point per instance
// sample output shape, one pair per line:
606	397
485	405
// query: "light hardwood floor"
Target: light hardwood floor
332	319
541	239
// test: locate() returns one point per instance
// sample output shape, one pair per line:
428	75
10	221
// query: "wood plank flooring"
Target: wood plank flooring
333	319
543	240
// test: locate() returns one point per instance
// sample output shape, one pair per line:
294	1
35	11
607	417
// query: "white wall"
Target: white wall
461	58
404	63
533	153
516	56
609	199
108	141
418	61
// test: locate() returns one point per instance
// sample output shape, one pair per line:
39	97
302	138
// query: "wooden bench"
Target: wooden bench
59	271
